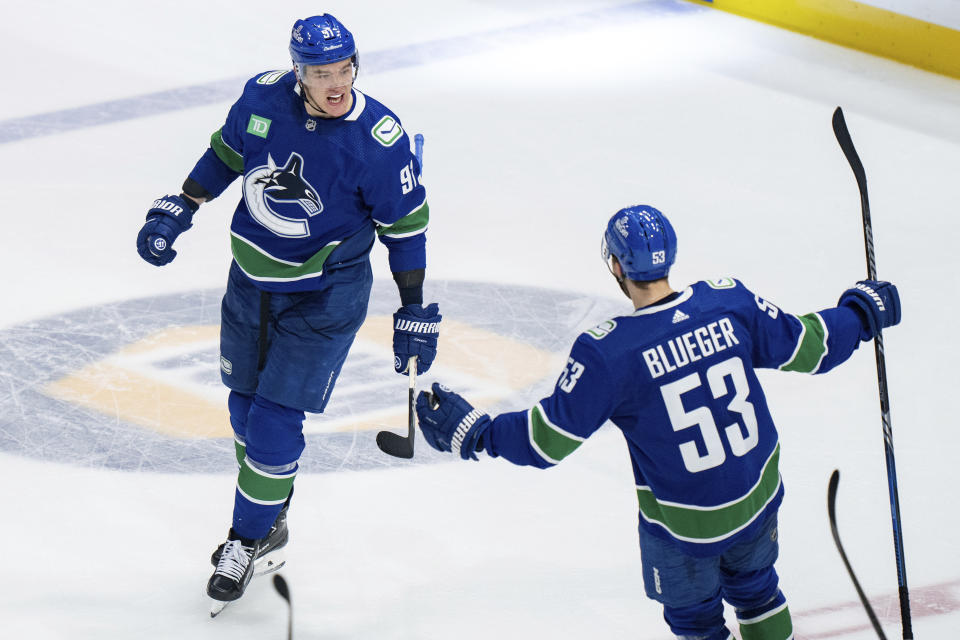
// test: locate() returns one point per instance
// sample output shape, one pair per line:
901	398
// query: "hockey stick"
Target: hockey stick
389	442
832	513
418	149
281	586
392	443
846	144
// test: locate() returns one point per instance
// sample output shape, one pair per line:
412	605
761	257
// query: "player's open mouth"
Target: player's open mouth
335	100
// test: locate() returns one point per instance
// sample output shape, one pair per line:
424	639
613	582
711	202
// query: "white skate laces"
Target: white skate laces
234	560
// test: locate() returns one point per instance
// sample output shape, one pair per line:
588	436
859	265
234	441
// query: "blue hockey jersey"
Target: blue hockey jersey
678	380
316	191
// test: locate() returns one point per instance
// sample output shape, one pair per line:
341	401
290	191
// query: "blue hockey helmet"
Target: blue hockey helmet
643	242
321	39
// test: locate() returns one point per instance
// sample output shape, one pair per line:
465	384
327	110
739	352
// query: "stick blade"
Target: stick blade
280	584
394	445
832	497
846	144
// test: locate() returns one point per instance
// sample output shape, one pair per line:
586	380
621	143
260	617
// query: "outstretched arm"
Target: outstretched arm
818	342
583	399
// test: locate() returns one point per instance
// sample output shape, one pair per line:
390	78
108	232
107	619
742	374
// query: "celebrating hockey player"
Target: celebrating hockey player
325	170
677	377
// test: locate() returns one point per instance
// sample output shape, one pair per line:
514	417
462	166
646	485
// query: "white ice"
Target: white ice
534	139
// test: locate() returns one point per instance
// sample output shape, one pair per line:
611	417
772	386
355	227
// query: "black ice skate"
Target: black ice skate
233	572
270	558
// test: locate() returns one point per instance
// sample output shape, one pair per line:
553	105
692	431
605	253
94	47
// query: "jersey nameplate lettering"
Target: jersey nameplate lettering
689	347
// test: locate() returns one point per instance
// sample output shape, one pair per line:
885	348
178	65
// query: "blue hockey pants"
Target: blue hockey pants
280	354
692	590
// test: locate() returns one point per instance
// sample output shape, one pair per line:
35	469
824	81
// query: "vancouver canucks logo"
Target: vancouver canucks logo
278	185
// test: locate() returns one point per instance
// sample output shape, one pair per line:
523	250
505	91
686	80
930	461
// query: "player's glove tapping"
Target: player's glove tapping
167	218
450	423
415	332
876	303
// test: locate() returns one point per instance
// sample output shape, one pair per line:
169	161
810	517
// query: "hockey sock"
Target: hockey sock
768	622
240	449
261	494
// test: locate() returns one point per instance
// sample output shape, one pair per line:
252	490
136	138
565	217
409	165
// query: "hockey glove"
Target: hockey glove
167	218
450	423
415	332
876	303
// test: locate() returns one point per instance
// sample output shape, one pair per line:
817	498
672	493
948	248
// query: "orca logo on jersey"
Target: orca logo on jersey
286	184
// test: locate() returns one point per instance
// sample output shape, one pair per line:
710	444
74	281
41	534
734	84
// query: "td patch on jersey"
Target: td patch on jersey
387	131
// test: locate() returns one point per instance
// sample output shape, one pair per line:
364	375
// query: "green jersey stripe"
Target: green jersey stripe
811	346
692	523
262	487
260	265
409	225
551	442
226	154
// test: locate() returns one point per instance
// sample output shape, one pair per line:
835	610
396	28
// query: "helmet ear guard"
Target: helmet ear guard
643	242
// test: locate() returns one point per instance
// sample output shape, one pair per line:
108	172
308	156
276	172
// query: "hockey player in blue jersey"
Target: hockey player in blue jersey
325	171
677	377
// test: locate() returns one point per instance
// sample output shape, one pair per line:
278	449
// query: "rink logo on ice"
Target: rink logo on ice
136	384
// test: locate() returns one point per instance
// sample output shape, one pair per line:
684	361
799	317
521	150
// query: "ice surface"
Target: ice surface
541	119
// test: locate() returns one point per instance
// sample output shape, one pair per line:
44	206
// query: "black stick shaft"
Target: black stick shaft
832	512
411	416
846	144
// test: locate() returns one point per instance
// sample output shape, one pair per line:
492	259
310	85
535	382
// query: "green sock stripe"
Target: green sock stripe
227	155
773	625
409	225
812	346
260	265
241	450
705	525
262	487
550	441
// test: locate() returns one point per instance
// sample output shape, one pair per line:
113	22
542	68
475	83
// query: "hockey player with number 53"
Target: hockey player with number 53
325	170
676	376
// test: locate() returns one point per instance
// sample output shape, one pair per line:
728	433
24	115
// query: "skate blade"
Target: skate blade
216	606
266	565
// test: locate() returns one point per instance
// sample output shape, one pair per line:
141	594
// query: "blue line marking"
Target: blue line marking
45	124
